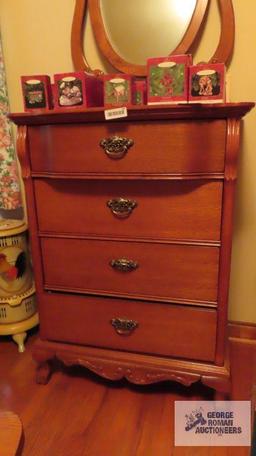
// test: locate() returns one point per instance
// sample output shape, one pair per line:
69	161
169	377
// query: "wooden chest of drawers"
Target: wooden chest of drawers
131	224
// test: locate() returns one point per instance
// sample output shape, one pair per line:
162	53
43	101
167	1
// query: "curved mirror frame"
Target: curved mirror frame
222	53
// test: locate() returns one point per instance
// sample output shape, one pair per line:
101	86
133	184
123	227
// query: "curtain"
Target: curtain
10	195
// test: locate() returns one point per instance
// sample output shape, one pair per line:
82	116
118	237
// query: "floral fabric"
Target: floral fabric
10	196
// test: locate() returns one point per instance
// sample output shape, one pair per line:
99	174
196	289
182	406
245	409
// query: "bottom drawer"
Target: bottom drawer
163	329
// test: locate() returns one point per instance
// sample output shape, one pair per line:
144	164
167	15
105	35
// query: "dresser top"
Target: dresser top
156	112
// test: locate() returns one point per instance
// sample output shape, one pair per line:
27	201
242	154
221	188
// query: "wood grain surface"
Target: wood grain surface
164	271
174	330
159	147
80	207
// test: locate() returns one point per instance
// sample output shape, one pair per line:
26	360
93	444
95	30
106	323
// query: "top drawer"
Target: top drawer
159	147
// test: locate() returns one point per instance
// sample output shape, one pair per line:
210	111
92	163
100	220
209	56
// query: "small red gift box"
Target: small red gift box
118	90
36	92
77	89
207	83
168	79
140	92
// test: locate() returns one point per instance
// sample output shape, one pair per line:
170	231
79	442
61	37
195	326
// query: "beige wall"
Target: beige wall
36	37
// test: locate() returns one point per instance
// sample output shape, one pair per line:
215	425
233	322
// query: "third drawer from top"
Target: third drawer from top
144	270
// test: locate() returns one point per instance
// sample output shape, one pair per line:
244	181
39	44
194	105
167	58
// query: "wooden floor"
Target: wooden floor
79	414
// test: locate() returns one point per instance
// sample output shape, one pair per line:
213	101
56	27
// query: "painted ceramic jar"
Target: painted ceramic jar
15	266
18	308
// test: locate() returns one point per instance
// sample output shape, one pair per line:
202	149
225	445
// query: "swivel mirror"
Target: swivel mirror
127	33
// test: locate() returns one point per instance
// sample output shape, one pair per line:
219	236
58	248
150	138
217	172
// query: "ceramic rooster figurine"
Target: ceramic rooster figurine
12	272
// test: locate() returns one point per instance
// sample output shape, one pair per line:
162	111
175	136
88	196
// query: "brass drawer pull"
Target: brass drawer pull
121	207
115	146
124	327
124	265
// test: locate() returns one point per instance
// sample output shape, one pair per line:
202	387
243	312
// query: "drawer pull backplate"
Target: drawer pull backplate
123	326
121	207
116	146
124	265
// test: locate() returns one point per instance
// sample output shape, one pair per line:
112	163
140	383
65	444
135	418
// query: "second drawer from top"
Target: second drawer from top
188	210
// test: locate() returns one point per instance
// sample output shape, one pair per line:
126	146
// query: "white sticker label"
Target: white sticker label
115	113
212	423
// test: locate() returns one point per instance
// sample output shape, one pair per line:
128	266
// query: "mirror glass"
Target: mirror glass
138	29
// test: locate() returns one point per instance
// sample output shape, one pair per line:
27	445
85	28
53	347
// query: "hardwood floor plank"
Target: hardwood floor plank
80	414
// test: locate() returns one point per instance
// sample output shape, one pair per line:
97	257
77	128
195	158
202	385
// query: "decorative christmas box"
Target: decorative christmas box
36	92
207	83
118	90
140	92
168	79
77	89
